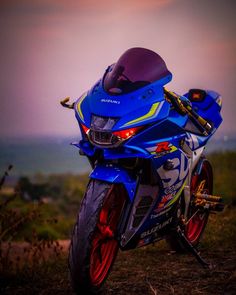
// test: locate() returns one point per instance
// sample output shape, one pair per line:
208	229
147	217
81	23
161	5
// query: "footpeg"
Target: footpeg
213	203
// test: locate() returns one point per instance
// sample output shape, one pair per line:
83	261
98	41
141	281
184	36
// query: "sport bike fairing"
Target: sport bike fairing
166	137
130	92
132	109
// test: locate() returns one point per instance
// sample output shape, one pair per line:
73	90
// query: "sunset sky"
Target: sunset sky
56	48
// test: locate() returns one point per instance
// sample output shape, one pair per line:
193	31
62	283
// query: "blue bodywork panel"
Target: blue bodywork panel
124	107
209	108
115	174
162	138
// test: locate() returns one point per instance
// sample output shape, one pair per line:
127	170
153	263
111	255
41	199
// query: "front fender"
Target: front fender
114	174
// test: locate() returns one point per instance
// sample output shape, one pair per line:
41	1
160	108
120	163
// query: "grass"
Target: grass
153	269
150	270
224	169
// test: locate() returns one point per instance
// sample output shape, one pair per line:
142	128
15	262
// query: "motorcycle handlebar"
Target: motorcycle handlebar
184	108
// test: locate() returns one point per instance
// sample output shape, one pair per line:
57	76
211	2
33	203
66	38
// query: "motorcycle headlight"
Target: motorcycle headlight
102	123
100	133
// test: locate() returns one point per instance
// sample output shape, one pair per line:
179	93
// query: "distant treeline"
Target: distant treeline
60	196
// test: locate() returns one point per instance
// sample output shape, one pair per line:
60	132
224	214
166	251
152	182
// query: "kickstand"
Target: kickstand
188	245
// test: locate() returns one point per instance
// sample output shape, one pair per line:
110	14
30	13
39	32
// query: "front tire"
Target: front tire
94	245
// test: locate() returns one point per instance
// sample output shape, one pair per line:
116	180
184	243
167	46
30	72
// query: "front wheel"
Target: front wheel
94	245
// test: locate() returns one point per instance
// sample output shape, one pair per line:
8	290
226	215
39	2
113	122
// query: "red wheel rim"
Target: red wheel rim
104	245
102	257
195	227
198	222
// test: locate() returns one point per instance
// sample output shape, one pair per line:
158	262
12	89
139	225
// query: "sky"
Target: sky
51	49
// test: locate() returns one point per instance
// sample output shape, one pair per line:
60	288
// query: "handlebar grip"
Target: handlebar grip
205	123
65	103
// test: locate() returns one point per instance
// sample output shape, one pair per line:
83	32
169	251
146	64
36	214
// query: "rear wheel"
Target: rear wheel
94	245
198	217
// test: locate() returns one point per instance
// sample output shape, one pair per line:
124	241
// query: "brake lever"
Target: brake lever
65	103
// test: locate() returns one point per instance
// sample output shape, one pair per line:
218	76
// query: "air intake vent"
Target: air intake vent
141	210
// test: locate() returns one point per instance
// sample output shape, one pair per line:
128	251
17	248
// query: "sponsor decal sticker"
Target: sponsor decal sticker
164	200
156	228
162	148
172	189
160	212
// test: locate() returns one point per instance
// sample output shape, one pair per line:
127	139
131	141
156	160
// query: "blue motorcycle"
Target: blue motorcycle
150	179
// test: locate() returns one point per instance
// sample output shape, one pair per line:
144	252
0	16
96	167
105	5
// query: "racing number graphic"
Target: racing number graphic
175	176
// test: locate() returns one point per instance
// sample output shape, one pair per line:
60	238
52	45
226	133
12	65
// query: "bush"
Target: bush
25	222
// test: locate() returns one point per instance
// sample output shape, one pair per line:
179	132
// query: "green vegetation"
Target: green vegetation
50	215
224	169
221	228
59	196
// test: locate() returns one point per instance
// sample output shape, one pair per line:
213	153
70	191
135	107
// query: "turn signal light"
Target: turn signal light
127	133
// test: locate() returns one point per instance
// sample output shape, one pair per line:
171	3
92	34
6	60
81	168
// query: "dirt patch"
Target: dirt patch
159	272
150	270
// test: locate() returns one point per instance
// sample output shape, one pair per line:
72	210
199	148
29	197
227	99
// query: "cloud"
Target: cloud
46	7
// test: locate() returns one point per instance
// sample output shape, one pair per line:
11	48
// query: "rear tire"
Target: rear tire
93	246
195	228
